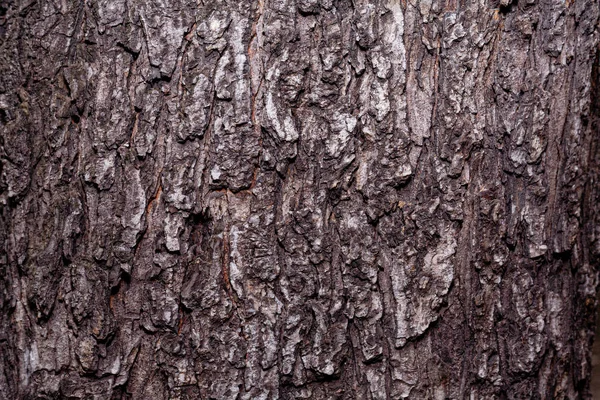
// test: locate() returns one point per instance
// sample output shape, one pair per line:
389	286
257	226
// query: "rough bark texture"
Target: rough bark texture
293	199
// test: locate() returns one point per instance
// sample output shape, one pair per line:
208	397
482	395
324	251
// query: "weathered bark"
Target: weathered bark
326	199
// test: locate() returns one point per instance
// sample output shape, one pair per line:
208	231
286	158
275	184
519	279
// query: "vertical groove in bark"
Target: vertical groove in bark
298	199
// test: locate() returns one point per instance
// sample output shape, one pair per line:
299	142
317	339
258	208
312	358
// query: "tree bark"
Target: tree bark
293	199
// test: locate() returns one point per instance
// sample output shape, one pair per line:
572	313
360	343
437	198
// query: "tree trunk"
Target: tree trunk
294	199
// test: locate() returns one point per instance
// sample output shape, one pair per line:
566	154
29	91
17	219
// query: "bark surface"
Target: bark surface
298	199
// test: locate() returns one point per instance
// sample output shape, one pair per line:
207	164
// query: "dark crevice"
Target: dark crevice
511	6
134	54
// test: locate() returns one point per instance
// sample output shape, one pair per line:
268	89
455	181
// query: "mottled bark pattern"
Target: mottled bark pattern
298	199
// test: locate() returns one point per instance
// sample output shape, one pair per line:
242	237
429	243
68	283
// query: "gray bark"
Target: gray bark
326	199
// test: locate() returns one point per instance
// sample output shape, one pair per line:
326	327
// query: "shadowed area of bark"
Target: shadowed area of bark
325	199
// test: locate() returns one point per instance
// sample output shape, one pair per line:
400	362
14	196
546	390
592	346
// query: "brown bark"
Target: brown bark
326	199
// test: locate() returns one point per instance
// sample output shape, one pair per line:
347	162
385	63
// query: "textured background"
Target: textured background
595	379
298	199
